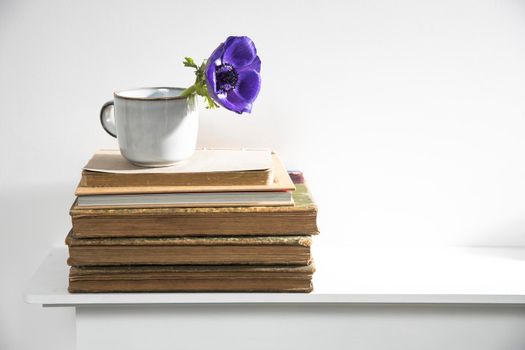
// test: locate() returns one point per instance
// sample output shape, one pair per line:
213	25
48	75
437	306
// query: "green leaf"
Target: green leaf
211	103
189	62
201	90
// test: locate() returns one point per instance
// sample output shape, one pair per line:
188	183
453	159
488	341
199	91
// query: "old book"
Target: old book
207	167
191	279
224	178
279	250
297	219
280	182
192	199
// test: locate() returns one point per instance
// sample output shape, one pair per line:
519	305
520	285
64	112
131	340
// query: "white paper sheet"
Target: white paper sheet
203	160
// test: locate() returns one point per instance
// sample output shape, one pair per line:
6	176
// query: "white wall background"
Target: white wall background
406	116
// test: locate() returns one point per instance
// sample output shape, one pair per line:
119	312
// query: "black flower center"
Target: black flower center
226	78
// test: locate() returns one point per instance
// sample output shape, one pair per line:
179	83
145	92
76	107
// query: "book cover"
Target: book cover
207	167
281	182
278	250
191	279
298	219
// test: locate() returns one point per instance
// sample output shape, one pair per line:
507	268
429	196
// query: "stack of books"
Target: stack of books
222	221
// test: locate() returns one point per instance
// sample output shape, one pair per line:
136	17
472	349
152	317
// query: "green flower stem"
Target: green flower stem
189	91
199	87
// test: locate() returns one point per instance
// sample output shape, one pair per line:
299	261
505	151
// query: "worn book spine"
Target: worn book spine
91	226
303	241
185	255
190	279
280	285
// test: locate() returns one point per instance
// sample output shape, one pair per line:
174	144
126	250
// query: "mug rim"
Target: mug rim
119	92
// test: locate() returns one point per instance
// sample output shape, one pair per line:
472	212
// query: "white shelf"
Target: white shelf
344	275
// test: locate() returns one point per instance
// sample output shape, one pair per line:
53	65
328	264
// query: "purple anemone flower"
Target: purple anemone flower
232	74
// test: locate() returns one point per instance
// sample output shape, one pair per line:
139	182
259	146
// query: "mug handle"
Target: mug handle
107	118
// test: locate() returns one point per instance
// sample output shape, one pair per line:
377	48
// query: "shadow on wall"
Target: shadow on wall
34	219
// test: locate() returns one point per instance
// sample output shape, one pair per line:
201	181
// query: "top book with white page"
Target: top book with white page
207	167
199	181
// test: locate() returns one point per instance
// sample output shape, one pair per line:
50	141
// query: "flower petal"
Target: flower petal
234	102
217	55
210	80
248	85
255	65
211	64
239	51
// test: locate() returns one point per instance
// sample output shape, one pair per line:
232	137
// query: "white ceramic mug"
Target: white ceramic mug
154	126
